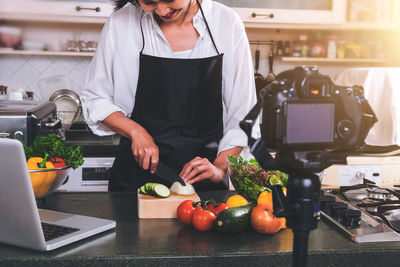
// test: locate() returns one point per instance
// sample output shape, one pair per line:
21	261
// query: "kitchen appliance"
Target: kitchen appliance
93	175
383	171
364	212
25	120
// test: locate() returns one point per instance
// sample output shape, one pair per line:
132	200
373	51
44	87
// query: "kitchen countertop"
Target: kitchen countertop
166	242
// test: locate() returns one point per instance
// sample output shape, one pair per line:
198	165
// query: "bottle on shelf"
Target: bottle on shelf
332	46
317	47
287	49
303	45
279	49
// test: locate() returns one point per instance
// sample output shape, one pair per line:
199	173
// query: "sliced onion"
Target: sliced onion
179	189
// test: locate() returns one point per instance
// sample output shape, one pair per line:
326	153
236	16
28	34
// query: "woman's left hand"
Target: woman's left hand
199	169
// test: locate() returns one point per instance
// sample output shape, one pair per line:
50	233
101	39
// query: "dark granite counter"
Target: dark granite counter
166	242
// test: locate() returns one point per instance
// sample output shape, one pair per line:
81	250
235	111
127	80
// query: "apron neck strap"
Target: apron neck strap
202	13
208	28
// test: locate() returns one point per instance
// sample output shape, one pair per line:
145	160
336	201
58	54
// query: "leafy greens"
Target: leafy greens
53	145
250	179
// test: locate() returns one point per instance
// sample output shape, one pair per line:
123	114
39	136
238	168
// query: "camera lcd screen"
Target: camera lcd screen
310	123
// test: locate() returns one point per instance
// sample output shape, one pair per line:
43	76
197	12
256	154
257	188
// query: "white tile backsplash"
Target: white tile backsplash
17	70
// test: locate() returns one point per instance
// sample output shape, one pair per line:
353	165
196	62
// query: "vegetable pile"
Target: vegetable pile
57	150
46	153
249	179
208	215
201	215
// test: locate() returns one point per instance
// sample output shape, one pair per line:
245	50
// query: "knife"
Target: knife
166	173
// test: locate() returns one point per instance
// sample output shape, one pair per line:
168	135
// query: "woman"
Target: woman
173	78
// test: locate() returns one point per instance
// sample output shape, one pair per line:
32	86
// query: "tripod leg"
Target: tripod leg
300	248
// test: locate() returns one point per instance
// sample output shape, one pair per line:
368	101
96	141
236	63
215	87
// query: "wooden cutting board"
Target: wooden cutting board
154	207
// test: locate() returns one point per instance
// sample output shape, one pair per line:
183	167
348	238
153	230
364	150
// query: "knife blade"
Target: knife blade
166	173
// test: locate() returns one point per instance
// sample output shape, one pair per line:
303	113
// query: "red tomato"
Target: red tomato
217	208
58	162
203	220
185	212
263	220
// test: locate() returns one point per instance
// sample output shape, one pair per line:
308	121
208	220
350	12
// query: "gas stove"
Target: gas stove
364	212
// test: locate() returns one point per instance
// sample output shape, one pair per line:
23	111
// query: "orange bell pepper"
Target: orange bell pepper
41	181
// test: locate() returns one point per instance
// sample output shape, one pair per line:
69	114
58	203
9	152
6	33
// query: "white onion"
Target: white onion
179	189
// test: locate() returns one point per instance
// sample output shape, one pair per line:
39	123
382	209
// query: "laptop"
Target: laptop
22	223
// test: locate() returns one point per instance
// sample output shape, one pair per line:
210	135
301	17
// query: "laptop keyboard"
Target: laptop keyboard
52	231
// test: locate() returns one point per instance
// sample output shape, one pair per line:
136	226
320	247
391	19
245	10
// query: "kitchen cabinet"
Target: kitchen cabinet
56	11
259	13
313	14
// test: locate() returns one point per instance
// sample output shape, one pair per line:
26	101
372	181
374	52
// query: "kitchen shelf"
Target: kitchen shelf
332	60
338	27
45	53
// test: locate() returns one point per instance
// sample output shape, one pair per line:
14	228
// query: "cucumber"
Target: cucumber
149	188
155	189
161	190
142	190
234	220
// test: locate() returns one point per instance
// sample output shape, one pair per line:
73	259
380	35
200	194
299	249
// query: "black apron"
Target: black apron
179	102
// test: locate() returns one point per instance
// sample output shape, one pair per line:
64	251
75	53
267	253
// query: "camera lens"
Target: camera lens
345	129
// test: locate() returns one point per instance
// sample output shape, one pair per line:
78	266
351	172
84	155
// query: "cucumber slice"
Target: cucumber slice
149	188
142	190
161	191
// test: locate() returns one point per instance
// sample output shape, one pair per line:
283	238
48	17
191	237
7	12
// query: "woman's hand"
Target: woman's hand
199	169
144	150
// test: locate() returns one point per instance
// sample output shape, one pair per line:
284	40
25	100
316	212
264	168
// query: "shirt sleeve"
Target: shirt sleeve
239	94
97	96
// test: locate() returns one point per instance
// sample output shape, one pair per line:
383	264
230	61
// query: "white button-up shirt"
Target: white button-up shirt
113	74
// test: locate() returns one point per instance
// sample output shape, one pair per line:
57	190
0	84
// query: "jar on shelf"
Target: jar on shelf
352	50
296	51
341	49
317	49
303	45
287	49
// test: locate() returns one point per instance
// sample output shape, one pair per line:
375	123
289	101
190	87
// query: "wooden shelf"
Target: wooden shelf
45	53
348	26
331	60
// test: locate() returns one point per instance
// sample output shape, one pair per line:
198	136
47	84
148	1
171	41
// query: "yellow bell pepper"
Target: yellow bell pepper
41	181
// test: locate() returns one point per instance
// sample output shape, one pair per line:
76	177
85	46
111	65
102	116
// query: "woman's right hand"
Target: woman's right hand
144	150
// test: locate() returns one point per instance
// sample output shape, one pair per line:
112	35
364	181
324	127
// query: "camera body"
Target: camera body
307	111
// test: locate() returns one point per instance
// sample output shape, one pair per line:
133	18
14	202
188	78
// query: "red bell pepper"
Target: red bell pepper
58	162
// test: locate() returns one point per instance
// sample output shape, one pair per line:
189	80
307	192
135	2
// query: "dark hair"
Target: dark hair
121	3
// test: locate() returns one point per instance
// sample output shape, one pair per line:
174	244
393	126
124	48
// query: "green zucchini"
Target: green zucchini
161	190
142	190
149	188
155	189
234	220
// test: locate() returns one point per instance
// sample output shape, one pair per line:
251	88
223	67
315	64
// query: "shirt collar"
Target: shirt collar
207	9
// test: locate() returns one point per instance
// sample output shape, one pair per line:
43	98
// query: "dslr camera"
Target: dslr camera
305	110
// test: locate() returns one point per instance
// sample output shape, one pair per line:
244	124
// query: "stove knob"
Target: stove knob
326	204
351	218
337	207
360	175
